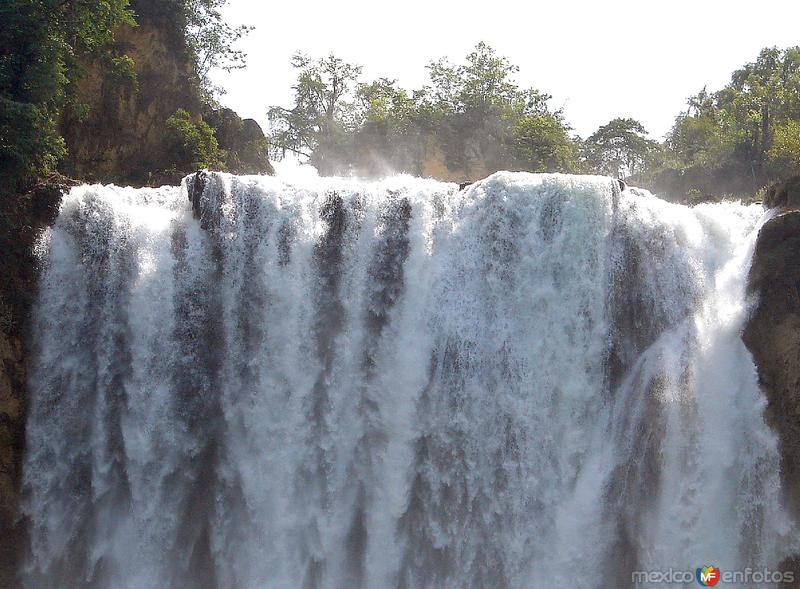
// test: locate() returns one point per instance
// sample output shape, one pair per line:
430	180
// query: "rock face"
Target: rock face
121	136
773	332
118	132
21	220
242	141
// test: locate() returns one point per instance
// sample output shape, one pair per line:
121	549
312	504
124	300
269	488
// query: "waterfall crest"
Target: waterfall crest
538	381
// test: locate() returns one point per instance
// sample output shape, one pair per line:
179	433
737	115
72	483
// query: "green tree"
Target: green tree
478	87
540	143
740	137
698	135
383	101
324	110
395	128
784	153
213	42
482	114
619	148
40	43
194	145
760	94
473	114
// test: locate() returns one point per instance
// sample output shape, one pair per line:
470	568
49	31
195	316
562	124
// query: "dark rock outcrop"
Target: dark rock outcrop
22	219
772	333
773	337
244	145
204	203
785	195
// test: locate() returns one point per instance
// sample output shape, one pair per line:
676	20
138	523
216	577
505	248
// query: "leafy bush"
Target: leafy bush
29	144
193	143
123	70
784	155
540	142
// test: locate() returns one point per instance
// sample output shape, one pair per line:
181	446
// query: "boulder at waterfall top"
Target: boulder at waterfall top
784	195
773	331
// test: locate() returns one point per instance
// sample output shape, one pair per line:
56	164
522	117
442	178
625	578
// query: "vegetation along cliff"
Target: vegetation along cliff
472	118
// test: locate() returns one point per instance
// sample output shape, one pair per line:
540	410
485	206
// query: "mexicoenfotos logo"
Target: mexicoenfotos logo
707	576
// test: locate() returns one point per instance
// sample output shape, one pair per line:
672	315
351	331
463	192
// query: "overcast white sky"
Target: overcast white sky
599	59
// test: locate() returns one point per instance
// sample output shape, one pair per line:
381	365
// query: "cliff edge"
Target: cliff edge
772	333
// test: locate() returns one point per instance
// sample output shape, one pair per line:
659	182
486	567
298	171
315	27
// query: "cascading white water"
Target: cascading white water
536	382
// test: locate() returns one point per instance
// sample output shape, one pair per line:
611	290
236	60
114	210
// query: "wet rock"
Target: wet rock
772	334
242	141
22	218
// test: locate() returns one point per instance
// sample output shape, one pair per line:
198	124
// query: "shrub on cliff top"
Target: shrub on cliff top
194	145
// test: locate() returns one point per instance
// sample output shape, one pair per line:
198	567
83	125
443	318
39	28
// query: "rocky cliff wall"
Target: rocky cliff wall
22	218
772	333
117	130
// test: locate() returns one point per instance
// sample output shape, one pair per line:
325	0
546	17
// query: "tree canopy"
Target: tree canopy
619	148
324	106
472	116
742	136
212	41
467	120
40	41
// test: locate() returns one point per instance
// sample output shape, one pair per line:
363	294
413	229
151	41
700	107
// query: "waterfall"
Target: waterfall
535	382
